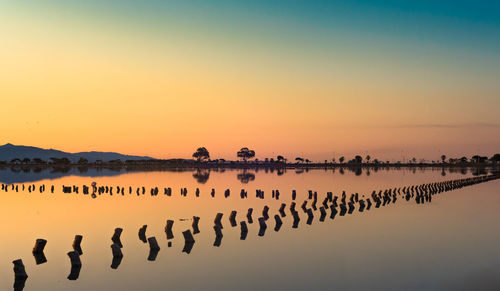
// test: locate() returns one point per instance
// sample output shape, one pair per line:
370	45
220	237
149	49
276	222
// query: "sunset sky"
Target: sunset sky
318	79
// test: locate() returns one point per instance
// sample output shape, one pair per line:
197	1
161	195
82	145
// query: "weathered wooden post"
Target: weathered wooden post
142	233
196	220
116	237
304	206
168	229
265	212
77	244
218	219
249	215
282	210
39	246
232	218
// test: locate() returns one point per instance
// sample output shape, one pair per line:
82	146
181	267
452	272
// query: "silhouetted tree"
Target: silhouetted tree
83	161
358	159
201	154
15	161
61	161
299	160
280	159
308	161
39	161
443	158
479	159
245	154
463	160
26	161
341	160
368	158
495	158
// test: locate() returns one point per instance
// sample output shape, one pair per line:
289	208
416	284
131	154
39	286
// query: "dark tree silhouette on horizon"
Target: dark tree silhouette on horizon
443	158
245	154
341	159
201	154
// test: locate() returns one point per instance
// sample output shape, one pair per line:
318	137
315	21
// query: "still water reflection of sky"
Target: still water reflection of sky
448	244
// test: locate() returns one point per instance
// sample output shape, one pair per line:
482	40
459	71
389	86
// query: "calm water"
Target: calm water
448	244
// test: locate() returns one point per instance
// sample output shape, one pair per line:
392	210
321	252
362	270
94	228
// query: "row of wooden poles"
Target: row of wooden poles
421	193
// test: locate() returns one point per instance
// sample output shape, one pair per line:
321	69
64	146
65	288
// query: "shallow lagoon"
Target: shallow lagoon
448	244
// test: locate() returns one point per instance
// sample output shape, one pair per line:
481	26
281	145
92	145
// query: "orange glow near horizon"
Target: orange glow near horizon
85	87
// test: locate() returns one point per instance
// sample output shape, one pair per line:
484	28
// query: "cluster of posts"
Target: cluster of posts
340	205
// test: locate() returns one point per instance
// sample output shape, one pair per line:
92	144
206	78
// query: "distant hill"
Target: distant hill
9	152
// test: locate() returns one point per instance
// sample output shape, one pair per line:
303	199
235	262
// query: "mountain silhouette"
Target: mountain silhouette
10	151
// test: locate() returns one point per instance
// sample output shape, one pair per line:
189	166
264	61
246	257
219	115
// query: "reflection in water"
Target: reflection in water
422	194
76	265
244	230
20	275
188	241
117	256
218	235
245	177
40	258
279	223
262	226
202	175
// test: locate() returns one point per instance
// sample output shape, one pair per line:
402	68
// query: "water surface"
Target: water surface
448	244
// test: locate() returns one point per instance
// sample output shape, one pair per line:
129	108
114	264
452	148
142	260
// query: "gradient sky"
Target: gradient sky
319	79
